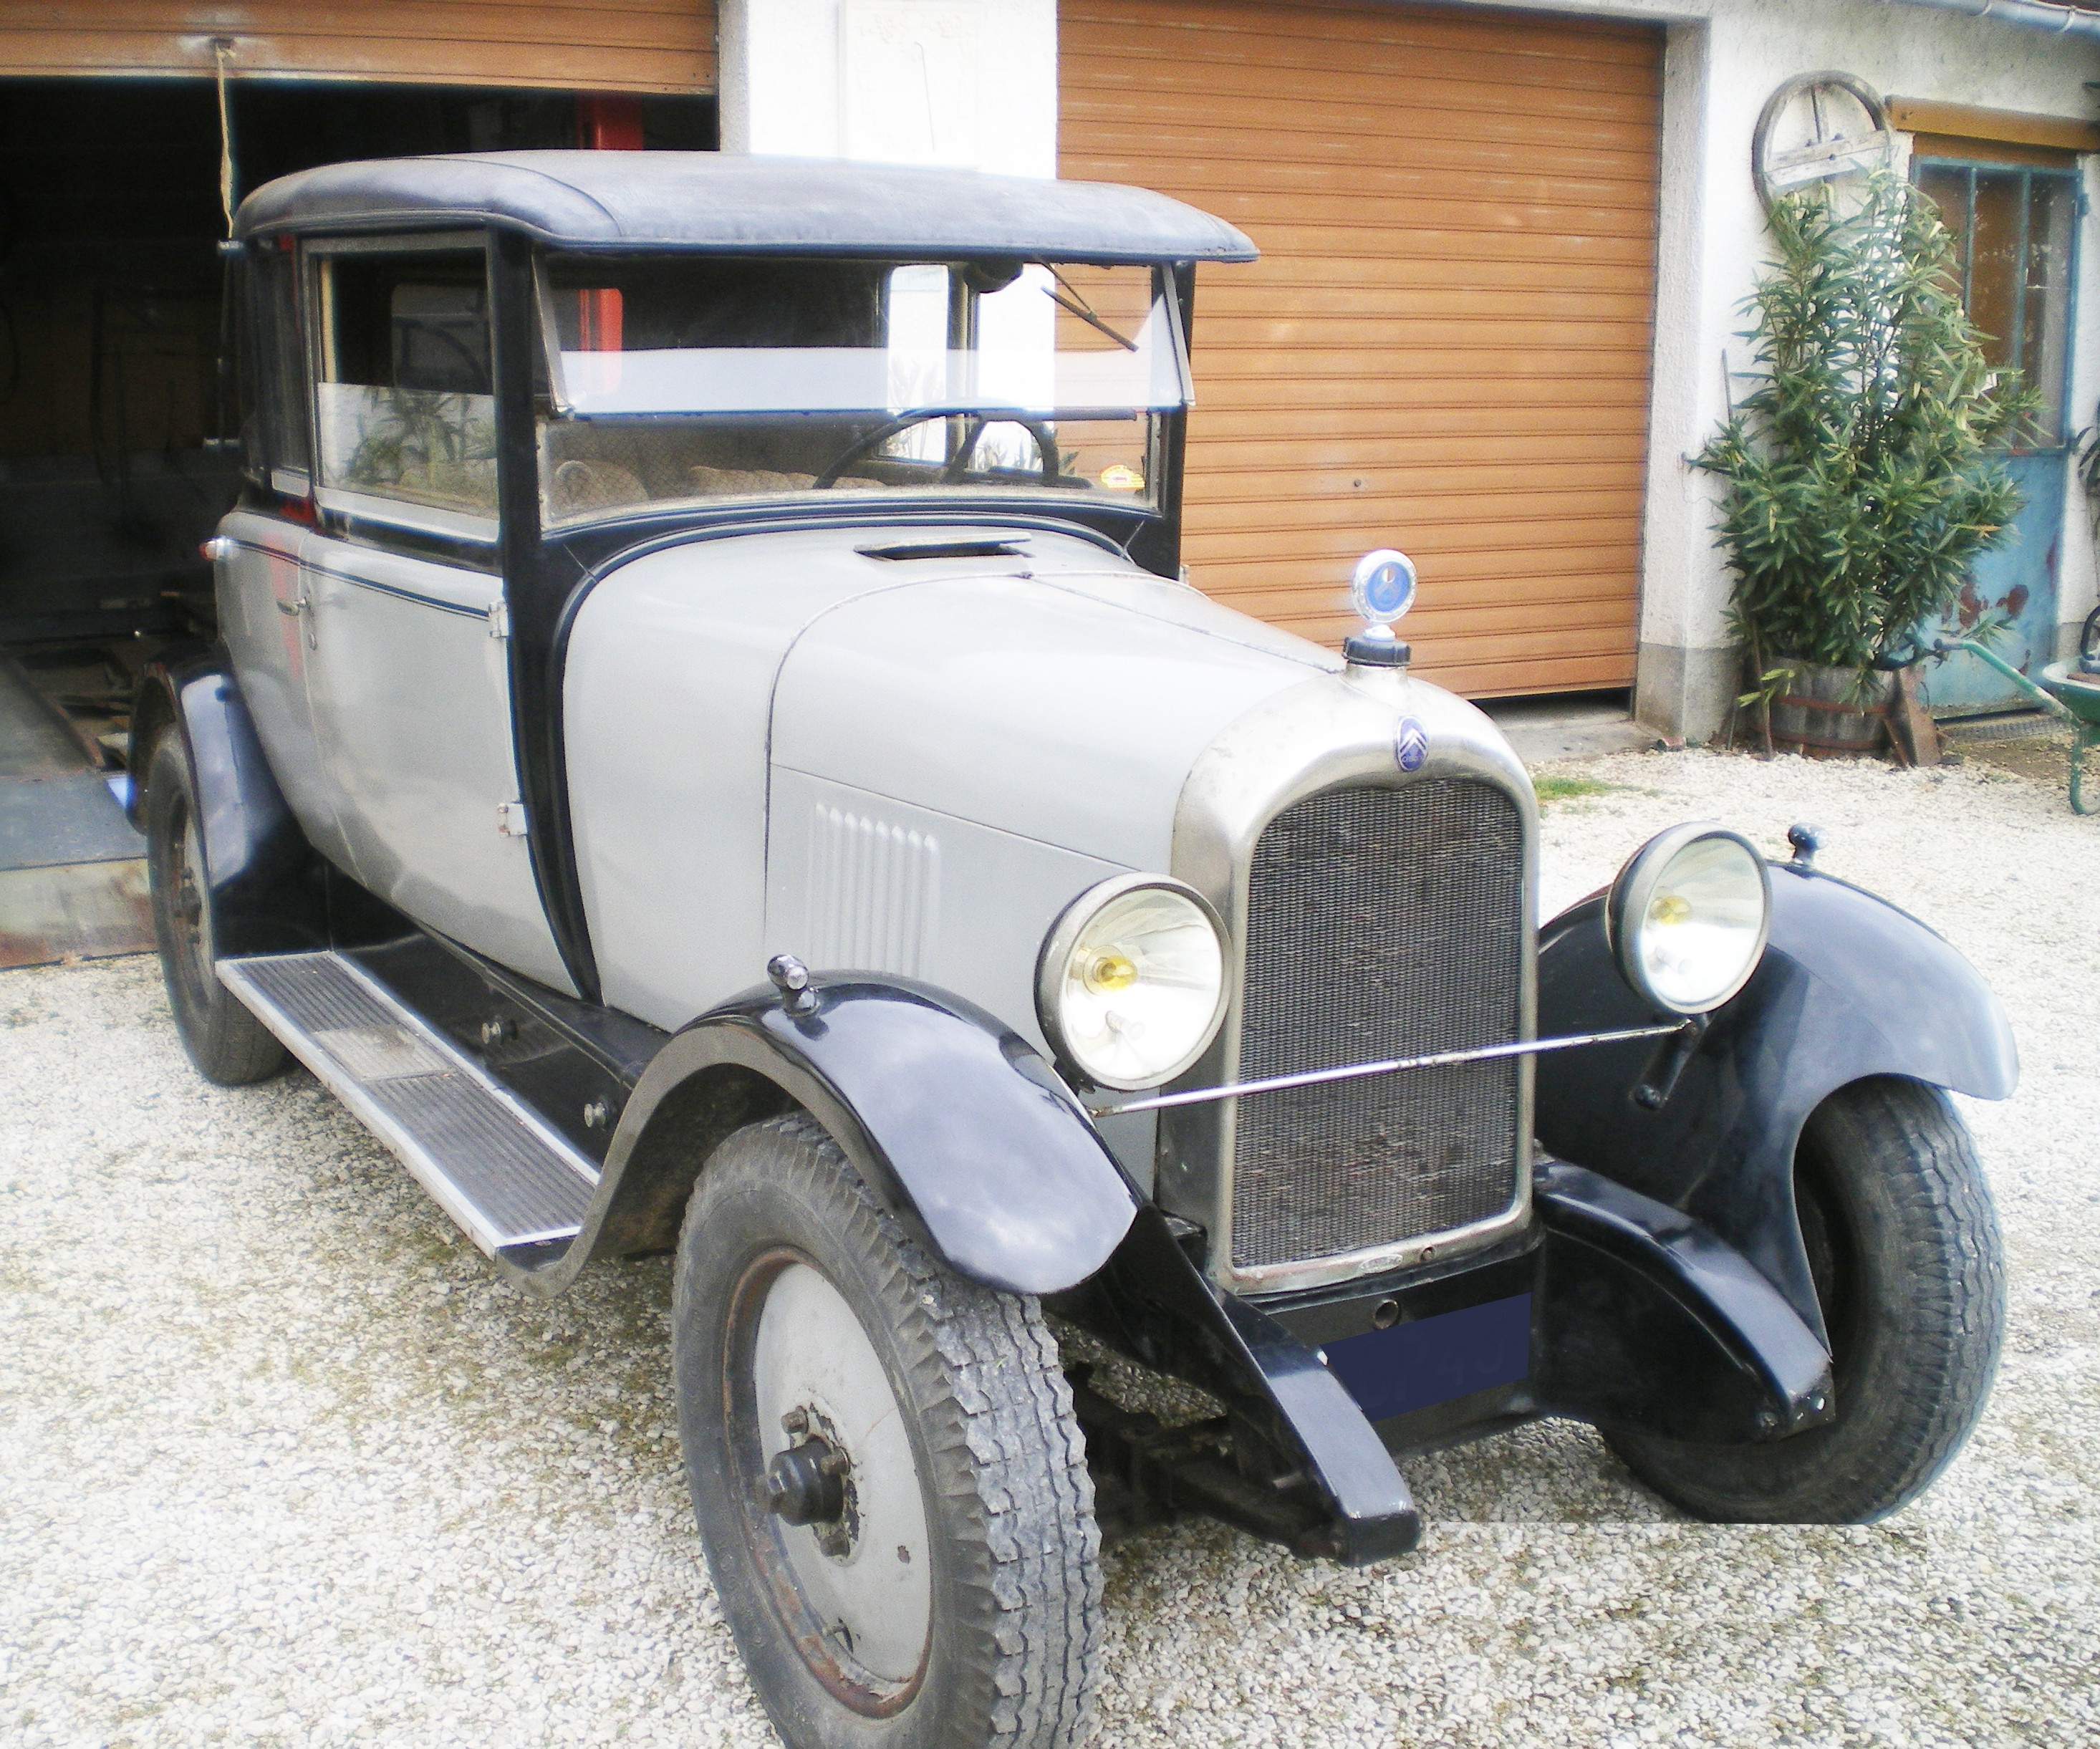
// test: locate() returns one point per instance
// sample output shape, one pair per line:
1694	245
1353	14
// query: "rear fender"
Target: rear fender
1850	986
948	1113
268	889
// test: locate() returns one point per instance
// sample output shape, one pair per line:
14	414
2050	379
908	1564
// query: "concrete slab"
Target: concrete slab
1577	726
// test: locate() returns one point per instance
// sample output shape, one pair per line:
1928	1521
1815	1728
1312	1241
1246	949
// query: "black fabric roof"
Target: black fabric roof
713	201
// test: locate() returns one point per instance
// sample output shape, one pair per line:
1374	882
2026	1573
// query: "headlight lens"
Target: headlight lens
1688	917
1132	985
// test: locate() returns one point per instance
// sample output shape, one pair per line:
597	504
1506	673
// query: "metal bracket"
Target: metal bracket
510	820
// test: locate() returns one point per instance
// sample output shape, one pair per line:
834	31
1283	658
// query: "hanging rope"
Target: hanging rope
221	51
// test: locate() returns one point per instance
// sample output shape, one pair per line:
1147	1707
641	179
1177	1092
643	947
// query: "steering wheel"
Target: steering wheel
1046	445
477	366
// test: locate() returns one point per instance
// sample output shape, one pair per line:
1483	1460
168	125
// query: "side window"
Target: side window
281	388
405	411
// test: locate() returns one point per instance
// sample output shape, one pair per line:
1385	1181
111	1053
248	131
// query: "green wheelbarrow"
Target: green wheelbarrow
2070	690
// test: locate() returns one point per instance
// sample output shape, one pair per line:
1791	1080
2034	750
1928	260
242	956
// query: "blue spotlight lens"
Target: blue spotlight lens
1383	587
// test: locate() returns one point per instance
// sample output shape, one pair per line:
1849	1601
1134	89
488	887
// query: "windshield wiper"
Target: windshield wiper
1077	305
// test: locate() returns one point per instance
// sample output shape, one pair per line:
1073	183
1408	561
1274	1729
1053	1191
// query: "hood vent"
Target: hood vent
948	549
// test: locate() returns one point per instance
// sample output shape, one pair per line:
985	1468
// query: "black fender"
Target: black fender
1643	1319
1153	1301
946	1112
268	889
1850	986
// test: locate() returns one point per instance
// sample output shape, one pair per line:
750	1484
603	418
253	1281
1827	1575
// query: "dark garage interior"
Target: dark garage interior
117	411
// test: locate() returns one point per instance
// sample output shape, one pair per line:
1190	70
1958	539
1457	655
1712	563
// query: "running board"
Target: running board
492	1165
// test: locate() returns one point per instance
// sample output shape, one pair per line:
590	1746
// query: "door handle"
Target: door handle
298	604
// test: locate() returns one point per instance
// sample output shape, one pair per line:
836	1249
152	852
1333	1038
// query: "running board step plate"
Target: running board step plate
492	1165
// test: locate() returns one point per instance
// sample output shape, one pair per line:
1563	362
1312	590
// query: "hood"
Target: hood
1056	698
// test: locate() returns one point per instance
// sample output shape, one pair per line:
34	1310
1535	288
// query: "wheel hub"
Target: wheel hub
811	1483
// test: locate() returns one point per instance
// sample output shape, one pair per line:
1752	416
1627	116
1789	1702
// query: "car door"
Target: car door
262	592
406	664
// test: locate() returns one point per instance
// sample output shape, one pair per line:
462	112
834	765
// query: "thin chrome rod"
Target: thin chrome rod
1276	1083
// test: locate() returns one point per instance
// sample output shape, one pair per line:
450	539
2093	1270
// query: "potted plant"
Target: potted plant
1863	477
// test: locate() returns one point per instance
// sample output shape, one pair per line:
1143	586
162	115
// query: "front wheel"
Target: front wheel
1903	1245
890	1483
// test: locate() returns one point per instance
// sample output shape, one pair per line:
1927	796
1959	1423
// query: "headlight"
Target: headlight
1688	915
1131	984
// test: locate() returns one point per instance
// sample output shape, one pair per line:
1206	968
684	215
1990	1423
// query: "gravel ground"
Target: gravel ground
283	1463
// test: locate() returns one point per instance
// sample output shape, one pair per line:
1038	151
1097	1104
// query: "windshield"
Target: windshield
671	380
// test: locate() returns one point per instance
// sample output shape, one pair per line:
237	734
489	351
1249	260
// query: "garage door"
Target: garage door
578	45
1446	345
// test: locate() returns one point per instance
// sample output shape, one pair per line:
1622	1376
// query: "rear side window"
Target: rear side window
404	405
280	398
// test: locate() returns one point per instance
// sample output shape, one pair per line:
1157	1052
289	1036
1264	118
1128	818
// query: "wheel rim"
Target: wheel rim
191	913
845	1552
186	887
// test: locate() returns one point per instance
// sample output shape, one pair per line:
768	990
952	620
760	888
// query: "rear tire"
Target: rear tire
228	1045
944	1592
1903	1243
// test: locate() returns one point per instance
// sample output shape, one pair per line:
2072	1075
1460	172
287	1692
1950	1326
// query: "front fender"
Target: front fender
943	1109
268	893
1850	986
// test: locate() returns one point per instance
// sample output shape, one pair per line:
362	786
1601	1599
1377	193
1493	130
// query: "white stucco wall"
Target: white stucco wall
973	82
970	84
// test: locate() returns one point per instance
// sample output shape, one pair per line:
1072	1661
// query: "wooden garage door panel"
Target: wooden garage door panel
1446	344
590	45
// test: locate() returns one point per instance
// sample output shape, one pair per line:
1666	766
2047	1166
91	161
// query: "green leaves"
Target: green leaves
1861	477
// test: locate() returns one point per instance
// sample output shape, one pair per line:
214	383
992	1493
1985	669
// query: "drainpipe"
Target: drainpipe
2032	15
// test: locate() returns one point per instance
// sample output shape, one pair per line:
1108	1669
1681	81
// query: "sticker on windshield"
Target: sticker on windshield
1120	477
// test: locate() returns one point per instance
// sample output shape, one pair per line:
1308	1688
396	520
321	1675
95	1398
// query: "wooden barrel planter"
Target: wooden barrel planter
1825	715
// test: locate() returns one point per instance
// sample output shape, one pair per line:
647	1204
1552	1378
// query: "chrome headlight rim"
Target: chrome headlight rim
1055	958
1633	892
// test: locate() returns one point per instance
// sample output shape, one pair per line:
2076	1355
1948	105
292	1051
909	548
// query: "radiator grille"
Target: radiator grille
1380	923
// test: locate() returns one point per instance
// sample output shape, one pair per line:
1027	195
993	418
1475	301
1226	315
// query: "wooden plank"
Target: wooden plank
627	45
1989	151
2011	127
1142	28
1317	557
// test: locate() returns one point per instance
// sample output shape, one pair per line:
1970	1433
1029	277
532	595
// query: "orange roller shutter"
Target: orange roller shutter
1445	346
566	45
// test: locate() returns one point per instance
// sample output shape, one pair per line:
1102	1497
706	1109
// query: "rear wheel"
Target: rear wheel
890	1483
1902	1245
228	1044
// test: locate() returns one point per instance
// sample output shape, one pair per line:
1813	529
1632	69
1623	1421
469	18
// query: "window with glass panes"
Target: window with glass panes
2015	230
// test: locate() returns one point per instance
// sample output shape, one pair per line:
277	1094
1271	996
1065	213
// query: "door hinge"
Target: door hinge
510	818
499	619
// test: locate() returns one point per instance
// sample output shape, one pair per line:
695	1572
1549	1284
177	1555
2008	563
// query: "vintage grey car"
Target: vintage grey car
710	750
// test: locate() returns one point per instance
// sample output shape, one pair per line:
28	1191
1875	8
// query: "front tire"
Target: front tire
890	1483
228	1044
1902	1245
